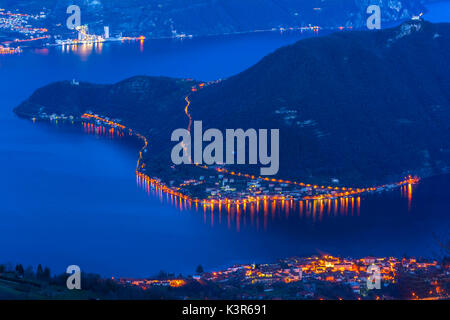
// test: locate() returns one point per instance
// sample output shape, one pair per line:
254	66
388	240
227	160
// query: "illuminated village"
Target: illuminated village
21	28
8	50
316	277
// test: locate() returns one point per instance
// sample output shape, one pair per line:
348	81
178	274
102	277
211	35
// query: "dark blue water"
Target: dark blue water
71	198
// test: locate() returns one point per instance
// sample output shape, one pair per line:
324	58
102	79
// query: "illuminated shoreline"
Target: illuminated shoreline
344	192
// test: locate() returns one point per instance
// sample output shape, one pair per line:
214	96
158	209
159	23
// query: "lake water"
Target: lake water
68	197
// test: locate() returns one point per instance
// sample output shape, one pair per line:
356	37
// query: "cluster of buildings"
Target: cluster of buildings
22	23
353	273
21	28
85	37
202	85
216	184
305	275
212	185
